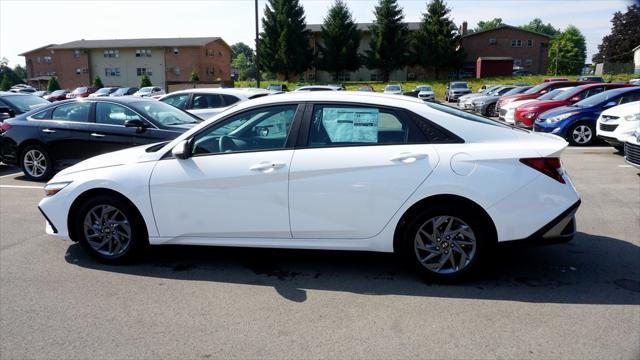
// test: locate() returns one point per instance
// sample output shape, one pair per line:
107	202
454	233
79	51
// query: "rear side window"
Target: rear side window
229	99
435	134
77	112
355	125
178	100
206	101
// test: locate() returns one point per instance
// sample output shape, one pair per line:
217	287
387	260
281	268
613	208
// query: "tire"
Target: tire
581	134
491	110
419	243
36	163
121	236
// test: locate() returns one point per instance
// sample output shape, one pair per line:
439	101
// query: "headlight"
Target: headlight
529	115
479	103
632	117
54	188
561	117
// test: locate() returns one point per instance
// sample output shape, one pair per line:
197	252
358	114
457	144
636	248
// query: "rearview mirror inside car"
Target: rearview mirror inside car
182	150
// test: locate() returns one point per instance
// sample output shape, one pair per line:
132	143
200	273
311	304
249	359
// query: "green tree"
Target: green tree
53	84
242	48
145	81
488	25
240	62
536	25
284	42
567	52
436	43
194	77
97	82
5	84
389	43
340	41
5	70
617	47
20	72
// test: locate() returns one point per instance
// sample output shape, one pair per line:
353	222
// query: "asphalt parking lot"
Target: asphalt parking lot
575	300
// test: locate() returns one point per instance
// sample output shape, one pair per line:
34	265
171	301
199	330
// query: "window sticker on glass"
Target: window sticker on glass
351	124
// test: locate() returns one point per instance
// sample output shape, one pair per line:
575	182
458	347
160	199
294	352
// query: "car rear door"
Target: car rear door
358	166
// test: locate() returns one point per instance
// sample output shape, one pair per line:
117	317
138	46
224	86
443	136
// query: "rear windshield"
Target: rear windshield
459	86
465	115
25	102
80	90
516	90
393	87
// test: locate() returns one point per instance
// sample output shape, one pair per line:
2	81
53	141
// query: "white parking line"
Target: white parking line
14	174
625	166
21	187
589	148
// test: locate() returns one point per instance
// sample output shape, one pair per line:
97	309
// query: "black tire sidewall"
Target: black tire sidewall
48	172
490	110
480	228
138	231
573	127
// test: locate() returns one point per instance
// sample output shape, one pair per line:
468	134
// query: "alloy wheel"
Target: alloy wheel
445	244
582	134
35	163
107	230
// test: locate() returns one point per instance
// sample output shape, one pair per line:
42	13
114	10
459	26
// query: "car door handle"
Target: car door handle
48	131
267	166
97	135
409	157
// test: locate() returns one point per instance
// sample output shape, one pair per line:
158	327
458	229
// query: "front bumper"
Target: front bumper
632	154
454	96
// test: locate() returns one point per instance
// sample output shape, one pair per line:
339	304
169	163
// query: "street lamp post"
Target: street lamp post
257	48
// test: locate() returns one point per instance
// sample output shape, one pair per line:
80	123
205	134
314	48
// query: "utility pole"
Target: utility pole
257	48
557	57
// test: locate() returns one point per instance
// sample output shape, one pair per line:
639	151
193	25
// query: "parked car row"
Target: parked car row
89	91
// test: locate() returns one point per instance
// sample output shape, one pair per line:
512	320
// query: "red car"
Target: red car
56	95
526	114
536	91
82	91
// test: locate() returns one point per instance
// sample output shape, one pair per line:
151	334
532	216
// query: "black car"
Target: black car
125	91
12	104
67	132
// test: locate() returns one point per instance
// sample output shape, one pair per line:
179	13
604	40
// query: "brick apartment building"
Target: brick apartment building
122	62
528	49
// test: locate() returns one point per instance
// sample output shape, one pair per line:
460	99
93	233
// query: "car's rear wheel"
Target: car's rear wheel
36	163
110	229
581	134
446	243
491	110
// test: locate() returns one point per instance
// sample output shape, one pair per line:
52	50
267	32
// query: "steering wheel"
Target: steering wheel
226	143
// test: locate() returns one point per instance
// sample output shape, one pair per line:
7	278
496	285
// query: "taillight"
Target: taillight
548	166
4	127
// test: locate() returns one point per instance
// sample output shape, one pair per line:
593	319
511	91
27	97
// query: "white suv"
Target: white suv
617	123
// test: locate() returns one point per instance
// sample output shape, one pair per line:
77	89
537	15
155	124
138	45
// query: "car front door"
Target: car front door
361	163
234	184
108	131
65	130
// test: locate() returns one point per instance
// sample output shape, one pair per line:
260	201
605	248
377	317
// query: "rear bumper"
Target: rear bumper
559	230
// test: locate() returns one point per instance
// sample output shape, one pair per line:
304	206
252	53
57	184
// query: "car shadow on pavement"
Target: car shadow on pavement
589	270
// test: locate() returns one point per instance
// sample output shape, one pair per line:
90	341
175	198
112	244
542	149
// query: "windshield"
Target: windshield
551	94
121	91
467	116
598	99
424	88
393	87
103	91
163	113
80	90
567	94
58	92
25	103
273	87
536	88
146	89
516	90
459	86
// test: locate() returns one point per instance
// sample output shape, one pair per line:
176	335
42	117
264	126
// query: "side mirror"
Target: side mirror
575	99
136	123
543	92
6	113
610	104
182	150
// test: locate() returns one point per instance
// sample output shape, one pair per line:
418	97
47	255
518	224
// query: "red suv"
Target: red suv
82	91
526	114
536	91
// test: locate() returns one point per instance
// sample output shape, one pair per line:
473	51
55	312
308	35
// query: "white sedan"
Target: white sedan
319	170
208	102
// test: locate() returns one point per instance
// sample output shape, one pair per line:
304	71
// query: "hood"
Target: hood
624	109
559	111
517	97
484	98
469	96
515	104
116	158
543	104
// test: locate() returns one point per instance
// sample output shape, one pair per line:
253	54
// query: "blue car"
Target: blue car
577	123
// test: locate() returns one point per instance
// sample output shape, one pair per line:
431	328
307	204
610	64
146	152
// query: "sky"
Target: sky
29	24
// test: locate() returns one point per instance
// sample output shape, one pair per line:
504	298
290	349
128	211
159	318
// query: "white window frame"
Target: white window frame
516	43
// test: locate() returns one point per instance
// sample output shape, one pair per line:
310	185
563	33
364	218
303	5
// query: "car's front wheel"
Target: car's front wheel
36	163
110	229
581	134
491	110
446	243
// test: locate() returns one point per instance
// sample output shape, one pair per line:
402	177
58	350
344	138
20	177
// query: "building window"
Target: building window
517	62
176	51
210	71
47	59
376	77
111	53
80	71
529	43
528	62
345	77
177	70
210	52
220	53
111	72
143	52
516	43
493	41
144	71
76	53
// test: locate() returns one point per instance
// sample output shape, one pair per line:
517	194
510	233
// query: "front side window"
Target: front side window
113	114
207	101
77	112
178	100
355	125
630	97
254	130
